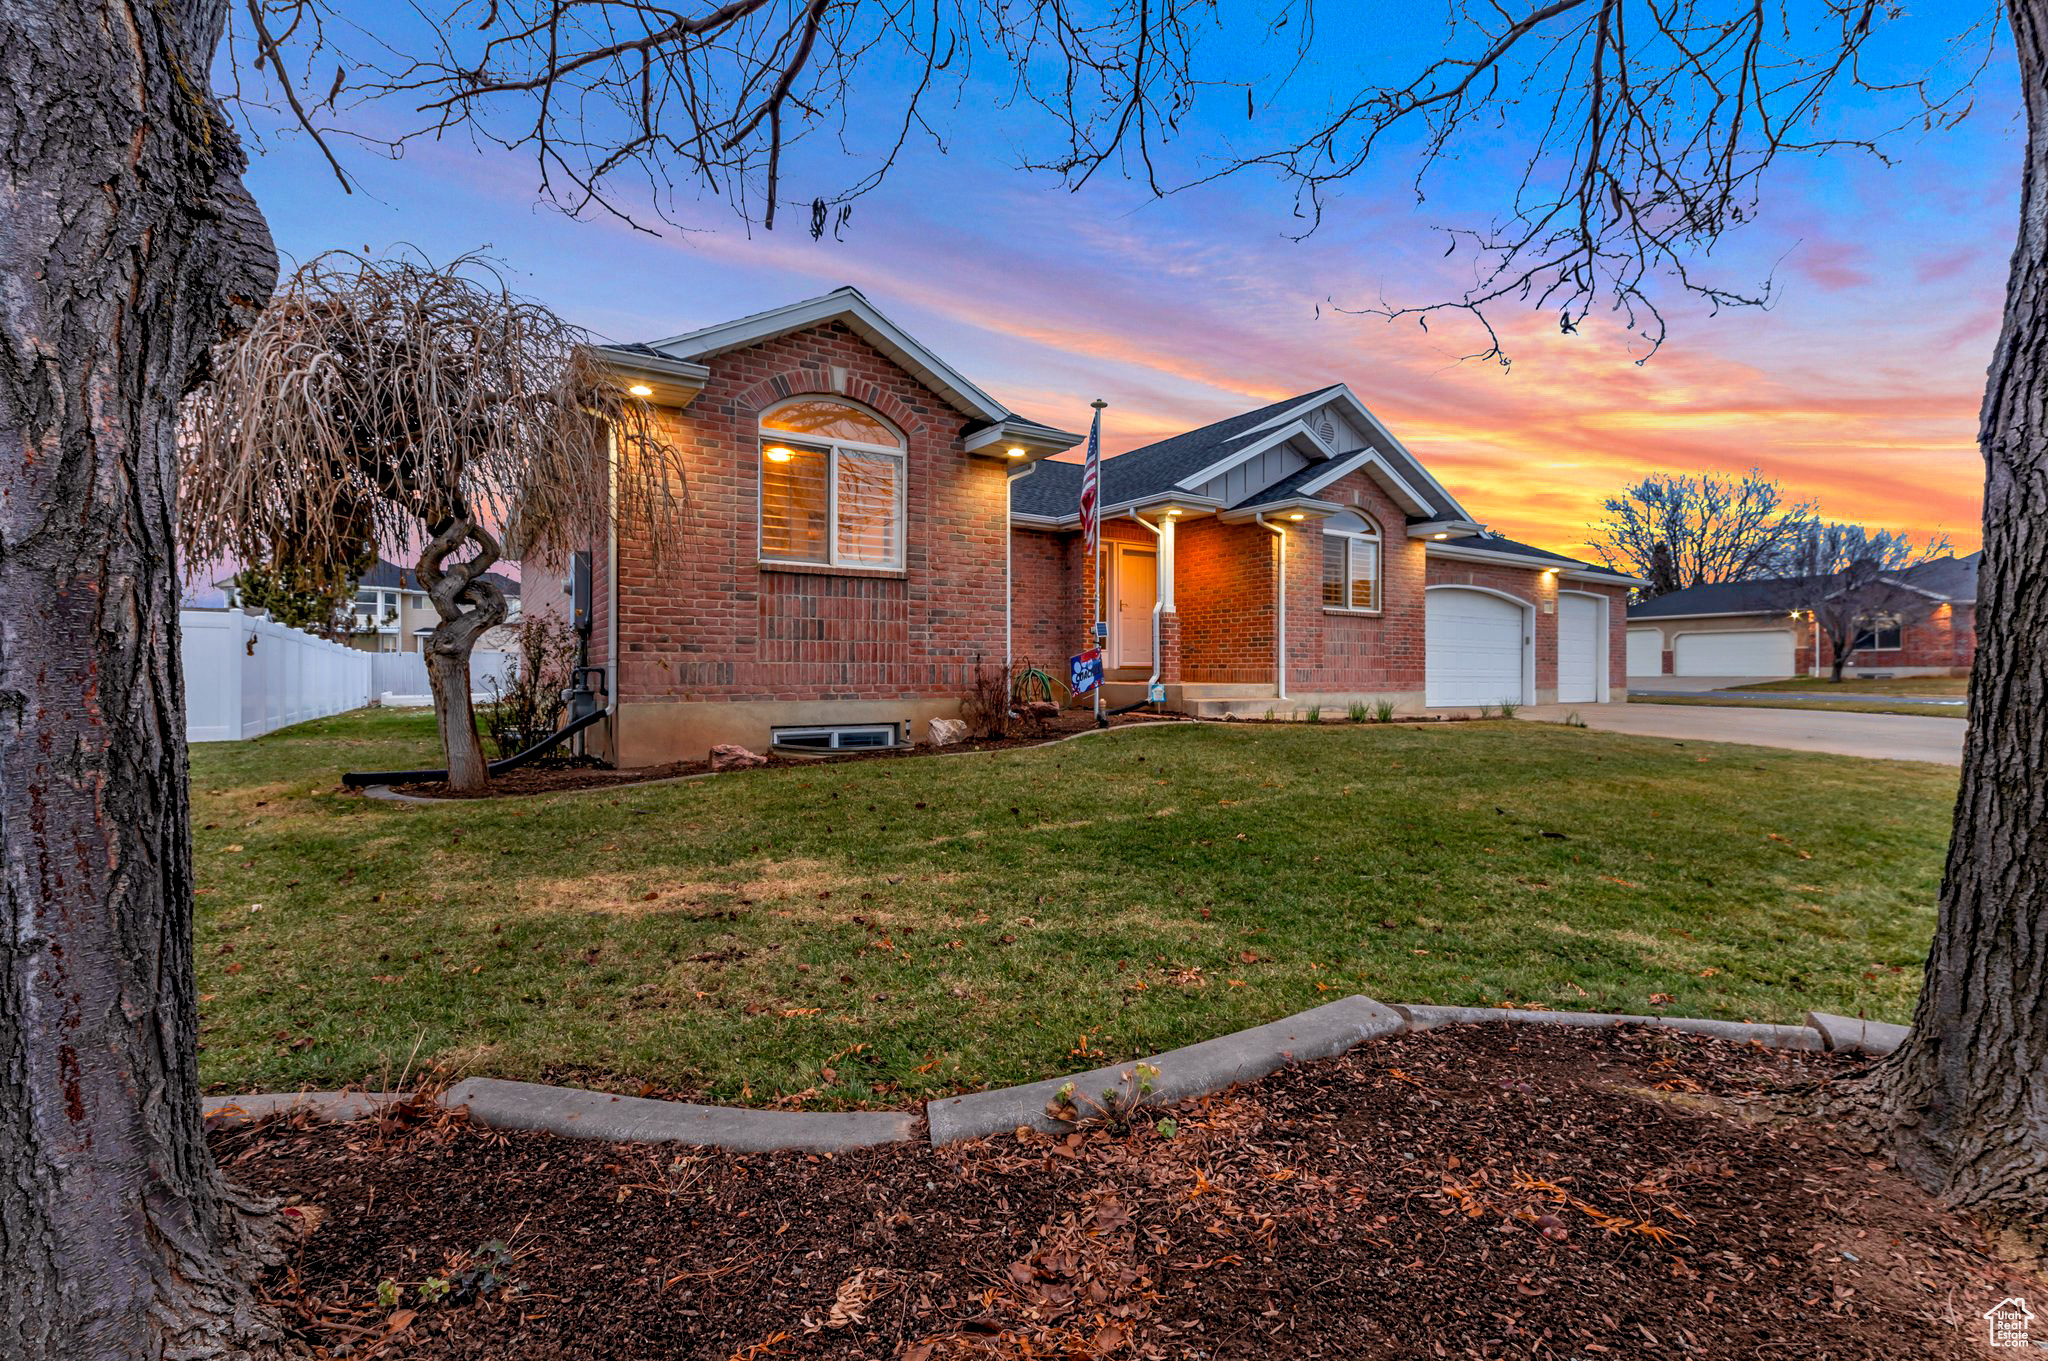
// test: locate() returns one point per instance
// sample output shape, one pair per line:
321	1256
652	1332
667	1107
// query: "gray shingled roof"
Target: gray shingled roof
1496	543
1054	490
1952	578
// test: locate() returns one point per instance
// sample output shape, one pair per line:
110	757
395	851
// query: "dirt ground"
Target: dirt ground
1479	1192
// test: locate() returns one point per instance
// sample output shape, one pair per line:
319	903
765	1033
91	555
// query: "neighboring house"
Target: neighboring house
1751	628
865	526
392	614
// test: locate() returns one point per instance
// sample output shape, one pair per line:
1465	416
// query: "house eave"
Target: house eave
1290	507
1019	441
669	381
1564	569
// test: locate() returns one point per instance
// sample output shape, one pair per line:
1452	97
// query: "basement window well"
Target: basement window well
861	737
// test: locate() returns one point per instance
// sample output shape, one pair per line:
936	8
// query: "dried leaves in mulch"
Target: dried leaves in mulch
1481	1192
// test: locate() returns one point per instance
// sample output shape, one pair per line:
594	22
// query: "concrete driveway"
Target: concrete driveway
1896	737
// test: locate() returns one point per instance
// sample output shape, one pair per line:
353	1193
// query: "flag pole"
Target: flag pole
1099	634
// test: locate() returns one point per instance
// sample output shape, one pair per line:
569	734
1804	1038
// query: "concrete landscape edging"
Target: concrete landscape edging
580	1114
1193	1070
1854	1035
1741	1032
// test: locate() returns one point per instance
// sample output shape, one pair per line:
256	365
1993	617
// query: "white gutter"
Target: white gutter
1158	599
1009	588
1279	604
611	563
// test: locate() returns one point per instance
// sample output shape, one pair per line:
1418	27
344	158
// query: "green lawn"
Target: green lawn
872	932
1904	685
1843	706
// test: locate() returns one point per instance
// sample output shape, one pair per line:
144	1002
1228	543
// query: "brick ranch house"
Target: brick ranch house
1743	628
864	526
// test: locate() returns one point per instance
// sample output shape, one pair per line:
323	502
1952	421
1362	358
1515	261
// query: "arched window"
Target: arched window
1351	563
831	486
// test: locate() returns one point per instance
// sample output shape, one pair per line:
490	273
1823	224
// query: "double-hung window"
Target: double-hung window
1882	634
831	487
1351	564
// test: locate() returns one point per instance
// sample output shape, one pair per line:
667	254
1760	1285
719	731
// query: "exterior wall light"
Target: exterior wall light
641	390
777	454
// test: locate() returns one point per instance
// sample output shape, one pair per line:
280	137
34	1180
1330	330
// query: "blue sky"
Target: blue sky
1858	387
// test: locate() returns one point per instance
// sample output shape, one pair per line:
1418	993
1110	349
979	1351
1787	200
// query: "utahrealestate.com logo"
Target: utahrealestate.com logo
2008	1319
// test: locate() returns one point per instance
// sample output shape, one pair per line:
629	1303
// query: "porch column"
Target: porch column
1169	619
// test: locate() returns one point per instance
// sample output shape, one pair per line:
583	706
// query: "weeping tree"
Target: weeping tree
396	403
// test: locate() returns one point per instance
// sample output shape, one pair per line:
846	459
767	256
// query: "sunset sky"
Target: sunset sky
1859	387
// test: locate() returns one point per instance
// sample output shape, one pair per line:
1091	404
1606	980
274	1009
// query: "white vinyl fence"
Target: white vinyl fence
401	677
246	676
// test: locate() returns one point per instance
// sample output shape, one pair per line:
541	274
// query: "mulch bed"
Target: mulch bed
1476	1192
555	779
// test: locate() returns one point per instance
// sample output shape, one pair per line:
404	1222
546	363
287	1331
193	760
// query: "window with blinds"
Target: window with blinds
831	486
1351	564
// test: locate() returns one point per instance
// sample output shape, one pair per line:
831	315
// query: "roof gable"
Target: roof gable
865	320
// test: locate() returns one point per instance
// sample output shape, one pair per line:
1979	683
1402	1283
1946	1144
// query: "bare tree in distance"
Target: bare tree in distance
1676	530
1853	582
394	403
130	247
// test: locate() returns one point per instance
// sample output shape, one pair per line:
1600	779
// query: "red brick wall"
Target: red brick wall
1046	626
1224	593
1946	638
1336	653
716	625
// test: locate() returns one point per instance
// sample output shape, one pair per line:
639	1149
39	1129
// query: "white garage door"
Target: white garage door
1645	652
1579	618
1472	648
1763	652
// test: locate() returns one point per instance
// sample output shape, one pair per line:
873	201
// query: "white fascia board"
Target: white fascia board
676	382
1307	505
1380	471
1342	393
1040	440
1253	450
1600	574
1429	529
1566	567
1711	614
841	304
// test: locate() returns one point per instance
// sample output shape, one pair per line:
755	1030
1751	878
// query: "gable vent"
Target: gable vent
1326	428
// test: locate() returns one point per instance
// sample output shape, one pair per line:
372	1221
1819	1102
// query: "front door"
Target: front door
1137	587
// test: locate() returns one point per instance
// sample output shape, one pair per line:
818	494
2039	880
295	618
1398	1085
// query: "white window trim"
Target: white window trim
831	448
836	731
1872	629
1353	538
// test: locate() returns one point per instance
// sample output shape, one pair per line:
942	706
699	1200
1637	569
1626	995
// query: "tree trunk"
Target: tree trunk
1841	659
468	605
127	245
1964	1102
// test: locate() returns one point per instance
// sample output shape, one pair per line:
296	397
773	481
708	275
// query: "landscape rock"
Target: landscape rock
947	731
1042	708
732	756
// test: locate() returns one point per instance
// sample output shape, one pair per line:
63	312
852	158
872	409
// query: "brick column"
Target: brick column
1169	648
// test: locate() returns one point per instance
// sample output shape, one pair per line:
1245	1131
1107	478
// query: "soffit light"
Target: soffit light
641	390
776	453
1439	536
1173	510
1016	451
1297	515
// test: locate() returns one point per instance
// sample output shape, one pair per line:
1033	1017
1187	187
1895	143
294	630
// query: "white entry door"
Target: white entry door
1473	648
1645	652
1750	652
1579	624
1137	587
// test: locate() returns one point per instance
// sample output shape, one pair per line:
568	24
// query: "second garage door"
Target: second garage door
1473	648
1761	652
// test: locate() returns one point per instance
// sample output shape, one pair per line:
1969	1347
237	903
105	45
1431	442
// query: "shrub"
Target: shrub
1383	711
1358	712
529	705
1312	714
1508	707
986	706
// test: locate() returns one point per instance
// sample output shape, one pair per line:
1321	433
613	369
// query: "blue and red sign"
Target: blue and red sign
1086	670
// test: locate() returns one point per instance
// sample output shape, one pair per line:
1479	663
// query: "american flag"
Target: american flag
1091	484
